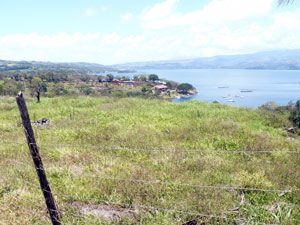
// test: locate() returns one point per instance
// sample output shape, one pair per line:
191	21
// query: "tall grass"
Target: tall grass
149	124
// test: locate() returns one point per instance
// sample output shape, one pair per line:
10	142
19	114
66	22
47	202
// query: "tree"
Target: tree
85	78
153	77
101	79
171	84
125	78
59	89
1	88
143	78
185	87
290	106
136	78
295	115
269	106
109	77
37	86
86	90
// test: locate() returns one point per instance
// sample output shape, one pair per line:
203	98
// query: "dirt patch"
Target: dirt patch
104	211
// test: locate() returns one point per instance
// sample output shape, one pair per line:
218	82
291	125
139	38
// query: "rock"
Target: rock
192	222
41	122
291	130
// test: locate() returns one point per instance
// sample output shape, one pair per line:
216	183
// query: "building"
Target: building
116	82
126	83
138	83
161	87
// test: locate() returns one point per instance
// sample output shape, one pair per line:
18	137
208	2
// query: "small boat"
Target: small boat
223	87
230	100
246	90
241	96
177	96
224	97
237	96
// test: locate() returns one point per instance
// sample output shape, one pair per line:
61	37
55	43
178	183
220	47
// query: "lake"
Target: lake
280	86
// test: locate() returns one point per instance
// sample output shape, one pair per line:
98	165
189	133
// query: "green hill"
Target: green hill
92	141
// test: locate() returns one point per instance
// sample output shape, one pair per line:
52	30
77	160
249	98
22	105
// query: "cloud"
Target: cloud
59	40
110	39
88	12
127	17
217	11
205	32
159	10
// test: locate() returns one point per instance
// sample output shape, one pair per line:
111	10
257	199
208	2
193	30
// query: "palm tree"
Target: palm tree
281	2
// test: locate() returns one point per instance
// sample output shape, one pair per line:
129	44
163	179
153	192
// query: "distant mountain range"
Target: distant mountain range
73	68
271	60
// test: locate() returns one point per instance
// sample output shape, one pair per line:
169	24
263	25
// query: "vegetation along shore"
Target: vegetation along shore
50	84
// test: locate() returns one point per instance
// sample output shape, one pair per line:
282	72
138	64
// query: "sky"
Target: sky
118	31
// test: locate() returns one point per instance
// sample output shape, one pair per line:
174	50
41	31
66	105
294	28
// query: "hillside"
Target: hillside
71	68
104	155
272	60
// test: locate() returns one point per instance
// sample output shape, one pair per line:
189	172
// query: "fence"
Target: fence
64	213
148	182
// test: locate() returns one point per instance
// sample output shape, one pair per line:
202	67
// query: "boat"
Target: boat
237	96
177	96
230	100
223	87
246	90
126	71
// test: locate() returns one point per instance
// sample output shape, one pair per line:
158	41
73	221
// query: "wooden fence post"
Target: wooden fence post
37	160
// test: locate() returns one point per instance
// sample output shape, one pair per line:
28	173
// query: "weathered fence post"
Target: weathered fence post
37	160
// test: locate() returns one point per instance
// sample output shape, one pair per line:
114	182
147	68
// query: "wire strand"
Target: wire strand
161	182
155	150
138	205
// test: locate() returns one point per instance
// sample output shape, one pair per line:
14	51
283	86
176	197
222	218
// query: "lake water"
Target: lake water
280	86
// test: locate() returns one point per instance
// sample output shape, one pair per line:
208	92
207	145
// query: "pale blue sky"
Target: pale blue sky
118	31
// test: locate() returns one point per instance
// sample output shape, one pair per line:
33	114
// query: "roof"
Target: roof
161	86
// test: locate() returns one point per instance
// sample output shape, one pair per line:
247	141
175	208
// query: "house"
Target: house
116	82
138	83
161	87
126	83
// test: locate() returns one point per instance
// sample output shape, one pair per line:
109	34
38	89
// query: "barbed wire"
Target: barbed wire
32	203
160	182
153	150
151	182
15	161
59	211
184	184
210	216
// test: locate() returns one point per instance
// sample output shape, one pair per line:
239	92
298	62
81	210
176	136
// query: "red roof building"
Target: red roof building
138	83
116	82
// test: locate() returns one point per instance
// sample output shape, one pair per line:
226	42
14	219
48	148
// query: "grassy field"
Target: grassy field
92	139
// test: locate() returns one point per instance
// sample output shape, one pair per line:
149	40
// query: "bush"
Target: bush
185	87
269	106
295	115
